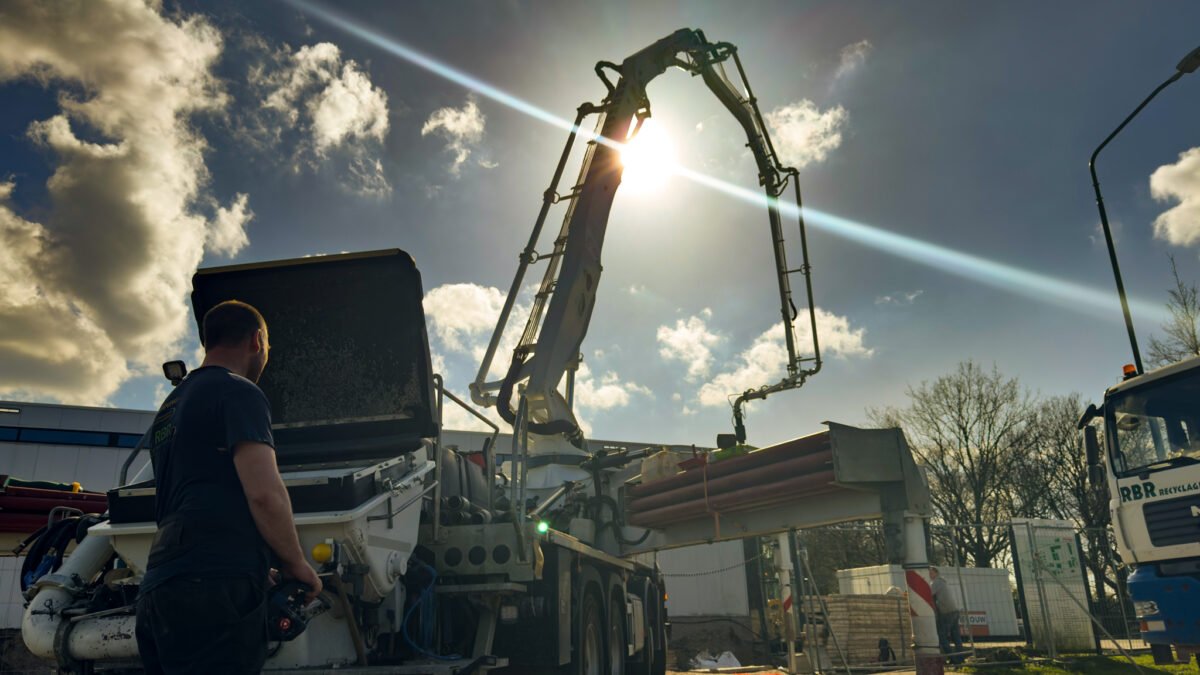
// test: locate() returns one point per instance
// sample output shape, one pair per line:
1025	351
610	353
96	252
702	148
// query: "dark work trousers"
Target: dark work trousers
195	625
950	635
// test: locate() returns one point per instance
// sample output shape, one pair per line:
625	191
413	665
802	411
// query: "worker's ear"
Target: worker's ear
258	341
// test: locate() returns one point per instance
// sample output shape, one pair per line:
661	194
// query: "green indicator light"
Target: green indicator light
543	527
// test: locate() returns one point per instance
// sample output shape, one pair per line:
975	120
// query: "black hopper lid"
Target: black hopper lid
349	375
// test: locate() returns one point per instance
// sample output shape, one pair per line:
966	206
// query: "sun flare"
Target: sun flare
649	159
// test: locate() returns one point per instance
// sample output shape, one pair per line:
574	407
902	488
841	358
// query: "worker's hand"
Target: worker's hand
303	573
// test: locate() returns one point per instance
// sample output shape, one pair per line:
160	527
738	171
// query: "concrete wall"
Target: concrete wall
720	593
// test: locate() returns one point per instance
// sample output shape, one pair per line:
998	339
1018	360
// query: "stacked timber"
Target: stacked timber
856	623
792	470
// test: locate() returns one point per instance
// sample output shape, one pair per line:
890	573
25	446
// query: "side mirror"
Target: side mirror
1091	448
1088	415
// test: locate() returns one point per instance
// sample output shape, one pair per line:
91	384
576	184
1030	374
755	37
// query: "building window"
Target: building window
103	439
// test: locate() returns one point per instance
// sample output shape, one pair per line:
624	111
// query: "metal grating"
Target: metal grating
1173	521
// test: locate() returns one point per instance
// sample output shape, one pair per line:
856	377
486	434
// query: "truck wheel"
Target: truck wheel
653	659
616	637
647	662
589	652
1162	654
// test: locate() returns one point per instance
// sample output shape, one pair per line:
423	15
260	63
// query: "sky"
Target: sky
942	149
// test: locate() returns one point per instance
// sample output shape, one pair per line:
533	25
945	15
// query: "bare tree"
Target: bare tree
970	429
1182	337
1070	494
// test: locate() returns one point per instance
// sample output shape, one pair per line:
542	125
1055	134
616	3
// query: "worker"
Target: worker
221	508
949	633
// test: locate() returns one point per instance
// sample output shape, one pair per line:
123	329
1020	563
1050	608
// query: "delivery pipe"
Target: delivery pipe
100	639
743	479
55	592
41	505
793	487
766	456
742	508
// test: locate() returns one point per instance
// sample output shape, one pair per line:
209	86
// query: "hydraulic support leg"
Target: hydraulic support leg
920	598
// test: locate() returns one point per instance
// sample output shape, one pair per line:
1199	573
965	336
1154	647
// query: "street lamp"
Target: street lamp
1188	65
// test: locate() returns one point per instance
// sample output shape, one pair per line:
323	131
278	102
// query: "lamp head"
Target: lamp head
1190	63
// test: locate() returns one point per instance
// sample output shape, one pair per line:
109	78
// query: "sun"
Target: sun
648	158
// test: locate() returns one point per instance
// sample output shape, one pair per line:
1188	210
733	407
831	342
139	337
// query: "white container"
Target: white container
984	594
660	465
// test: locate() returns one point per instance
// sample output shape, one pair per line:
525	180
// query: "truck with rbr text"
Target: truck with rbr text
1151	450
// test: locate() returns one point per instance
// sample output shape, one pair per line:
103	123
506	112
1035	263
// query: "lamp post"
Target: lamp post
1188	65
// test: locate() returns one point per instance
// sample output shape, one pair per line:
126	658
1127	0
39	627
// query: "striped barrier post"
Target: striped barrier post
929	660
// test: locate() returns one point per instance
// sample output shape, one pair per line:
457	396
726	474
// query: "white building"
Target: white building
63	444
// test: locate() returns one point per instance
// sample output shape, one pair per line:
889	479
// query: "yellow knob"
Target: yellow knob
322	553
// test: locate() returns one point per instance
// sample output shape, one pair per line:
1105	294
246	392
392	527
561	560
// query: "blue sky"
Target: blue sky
216	132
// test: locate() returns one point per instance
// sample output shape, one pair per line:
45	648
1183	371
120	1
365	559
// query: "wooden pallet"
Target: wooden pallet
855	624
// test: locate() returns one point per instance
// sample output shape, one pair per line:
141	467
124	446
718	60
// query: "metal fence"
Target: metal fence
1040	586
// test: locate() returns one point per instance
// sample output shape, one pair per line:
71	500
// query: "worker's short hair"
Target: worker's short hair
230	323
932	568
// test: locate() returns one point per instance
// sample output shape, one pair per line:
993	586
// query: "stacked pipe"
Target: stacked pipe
792	470
23	510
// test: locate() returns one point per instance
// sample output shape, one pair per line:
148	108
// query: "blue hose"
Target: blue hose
425	602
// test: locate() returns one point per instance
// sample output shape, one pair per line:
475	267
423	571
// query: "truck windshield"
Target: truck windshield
1156	424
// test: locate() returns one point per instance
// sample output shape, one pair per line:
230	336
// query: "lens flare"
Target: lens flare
1011	278
648	158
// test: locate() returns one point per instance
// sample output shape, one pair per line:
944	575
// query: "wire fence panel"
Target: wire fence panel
1042	585
1056	591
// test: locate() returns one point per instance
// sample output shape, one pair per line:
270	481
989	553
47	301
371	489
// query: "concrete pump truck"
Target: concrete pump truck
440	559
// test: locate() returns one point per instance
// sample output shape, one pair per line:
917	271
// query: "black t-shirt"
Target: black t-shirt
204	524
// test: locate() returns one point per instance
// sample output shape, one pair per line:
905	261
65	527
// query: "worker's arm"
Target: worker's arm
272	510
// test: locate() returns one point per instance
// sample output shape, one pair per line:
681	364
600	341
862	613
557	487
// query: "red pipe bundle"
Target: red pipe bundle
24	509
792	470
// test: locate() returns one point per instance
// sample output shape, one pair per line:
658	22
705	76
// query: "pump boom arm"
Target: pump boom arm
549	349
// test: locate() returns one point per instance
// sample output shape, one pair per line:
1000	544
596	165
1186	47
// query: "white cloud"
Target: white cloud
691	342
437	363
462	128
228	233
764	362
604	393
635	289
93	289
336	108
462	317
463	314
1115	227
900	298
1179	225
852	58
803	134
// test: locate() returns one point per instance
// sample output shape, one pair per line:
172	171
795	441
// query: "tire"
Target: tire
652	660
1162	654
616	640
589	651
